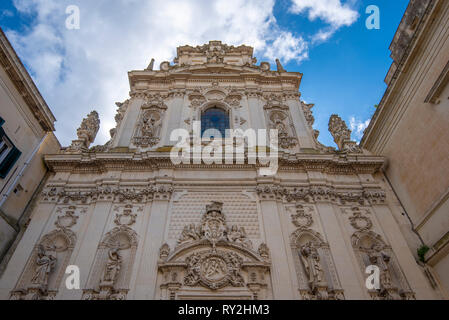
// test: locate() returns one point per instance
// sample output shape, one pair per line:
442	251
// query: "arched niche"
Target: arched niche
111	272
371	250
46	266
315	269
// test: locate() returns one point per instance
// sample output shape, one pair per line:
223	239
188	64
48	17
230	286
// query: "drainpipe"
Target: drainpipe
13	184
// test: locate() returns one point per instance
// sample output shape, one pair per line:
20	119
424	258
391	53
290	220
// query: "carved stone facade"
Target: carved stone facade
141	227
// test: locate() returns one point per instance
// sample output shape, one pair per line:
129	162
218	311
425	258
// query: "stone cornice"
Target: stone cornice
209	72
25	85
103	162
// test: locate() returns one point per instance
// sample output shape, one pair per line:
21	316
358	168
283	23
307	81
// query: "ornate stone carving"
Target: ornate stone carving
307	109
111	272
314	270
68	220
213	228
278	117
358	221
214	270
122	195
302	219
317	275
86	133
280	68
112	267
372	250
45	263
318	194
164	251
212	255
42	275
342	135
127	218
150	124
263	251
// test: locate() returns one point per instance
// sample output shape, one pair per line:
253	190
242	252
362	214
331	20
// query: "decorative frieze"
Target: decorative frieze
318	194
86	133
115	194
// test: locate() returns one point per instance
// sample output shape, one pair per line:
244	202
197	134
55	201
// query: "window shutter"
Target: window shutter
9	162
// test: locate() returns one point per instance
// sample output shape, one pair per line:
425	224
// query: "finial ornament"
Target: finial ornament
279	66
342	135
86	133
151	65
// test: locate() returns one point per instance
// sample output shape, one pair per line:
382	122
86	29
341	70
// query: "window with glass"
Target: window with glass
215	118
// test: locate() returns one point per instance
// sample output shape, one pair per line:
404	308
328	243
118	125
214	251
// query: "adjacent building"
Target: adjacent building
26	134
411	129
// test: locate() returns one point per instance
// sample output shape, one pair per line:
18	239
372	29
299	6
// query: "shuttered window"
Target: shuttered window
9	154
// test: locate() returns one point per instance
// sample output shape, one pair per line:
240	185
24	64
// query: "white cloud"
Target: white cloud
332	12
81	70
358	127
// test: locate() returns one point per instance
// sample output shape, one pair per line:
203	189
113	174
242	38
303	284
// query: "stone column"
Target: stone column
341	250
88	239
300	124
280	274
128	124
174	119
145	282
256	112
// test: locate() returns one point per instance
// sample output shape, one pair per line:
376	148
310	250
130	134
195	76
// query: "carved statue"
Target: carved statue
279	66
45	263
312	264
151	65
112	266
342	135
189	233
150	125
385	276
378	257
86	133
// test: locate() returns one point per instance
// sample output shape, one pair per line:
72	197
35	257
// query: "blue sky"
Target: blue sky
81	70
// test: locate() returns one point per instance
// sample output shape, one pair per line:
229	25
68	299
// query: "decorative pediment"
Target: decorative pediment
213	255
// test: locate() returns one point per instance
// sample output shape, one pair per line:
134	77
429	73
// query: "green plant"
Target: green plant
422	252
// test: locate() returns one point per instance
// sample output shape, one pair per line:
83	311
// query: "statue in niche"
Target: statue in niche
312	264
112	266
277	122
45	263
150	125
385	276
378	257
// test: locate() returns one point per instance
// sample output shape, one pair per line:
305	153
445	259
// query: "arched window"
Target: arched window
215	118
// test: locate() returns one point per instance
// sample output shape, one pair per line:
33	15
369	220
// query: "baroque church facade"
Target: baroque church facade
139	226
